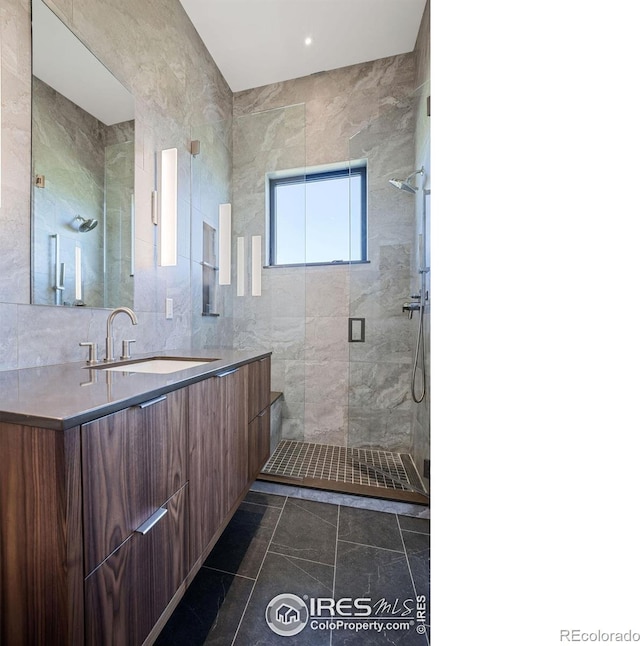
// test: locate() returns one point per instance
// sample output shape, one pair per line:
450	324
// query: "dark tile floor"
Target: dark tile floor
280	545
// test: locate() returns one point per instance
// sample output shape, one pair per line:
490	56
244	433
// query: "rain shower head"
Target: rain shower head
403	186
84	224
406	185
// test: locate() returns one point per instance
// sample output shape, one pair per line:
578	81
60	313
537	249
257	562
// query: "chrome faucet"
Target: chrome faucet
134	321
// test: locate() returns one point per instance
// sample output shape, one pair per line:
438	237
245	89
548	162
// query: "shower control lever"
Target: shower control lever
412	307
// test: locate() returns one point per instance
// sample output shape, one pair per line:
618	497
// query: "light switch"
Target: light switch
168	308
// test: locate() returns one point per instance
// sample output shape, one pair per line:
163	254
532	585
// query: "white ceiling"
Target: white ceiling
253	42
258	42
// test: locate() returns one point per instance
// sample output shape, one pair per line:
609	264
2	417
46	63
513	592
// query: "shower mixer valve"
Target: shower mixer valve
412	307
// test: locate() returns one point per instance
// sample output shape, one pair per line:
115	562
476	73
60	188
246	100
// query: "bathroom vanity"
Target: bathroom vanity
115	486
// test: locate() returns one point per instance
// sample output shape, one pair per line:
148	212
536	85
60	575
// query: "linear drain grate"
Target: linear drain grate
368	467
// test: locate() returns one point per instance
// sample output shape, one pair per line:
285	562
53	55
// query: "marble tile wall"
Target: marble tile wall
334	392
154	50
15	59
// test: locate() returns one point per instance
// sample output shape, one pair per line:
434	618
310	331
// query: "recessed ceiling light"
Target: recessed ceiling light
308	40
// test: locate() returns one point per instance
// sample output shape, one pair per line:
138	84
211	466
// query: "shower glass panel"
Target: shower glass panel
270	144
379	375
119	223
212	303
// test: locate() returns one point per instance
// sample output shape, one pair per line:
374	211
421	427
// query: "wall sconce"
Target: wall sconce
168	194
256	265
241	278
224	253
0	117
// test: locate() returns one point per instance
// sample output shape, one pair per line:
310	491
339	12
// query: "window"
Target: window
318	217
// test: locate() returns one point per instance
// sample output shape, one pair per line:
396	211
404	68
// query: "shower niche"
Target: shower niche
209	271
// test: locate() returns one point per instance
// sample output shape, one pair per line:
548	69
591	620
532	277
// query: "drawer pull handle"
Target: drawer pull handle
151	402
150	522
228	372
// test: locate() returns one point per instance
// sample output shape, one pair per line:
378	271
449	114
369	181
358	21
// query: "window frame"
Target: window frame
310	176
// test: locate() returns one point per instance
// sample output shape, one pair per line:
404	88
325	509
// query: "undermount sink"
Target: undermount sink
156	365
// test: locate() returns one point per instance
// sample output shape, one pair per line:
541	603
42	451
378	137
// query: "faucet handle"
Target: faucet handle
126	348
92	352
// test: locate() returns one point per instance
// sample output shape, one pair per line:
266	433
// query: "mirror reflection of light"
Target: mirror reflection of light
308	40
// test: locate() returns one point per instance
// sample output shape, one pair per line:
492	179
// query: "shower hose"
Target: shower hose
419	396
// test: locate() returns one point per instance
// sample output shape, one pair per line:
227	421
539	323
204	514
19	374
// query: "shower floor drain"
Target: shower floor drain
362	467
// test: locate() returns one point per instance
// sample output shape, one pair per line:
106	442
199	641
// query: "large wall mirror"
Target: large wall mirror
82	204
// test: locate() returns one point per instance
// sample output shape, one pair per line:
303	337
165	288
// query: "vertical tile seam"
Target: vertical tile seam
335	568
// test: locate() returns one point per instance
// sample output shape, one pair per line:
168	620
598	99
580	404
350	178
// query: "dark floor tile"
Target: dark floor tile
418	553
244	542
382	576
369	528
210	610
265	499
224	629
307	530
422	525
282	575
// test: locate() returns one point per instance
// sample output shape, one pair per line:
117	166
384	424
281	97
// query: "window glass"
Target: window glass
318	217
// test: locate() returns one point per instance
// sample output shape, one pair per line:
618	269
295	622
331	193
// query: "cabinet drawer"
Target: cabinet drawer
126	595
132	462
259	386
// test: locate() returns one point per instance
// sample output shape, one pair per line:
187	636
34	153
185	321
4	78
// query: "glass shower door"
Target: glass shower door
379	363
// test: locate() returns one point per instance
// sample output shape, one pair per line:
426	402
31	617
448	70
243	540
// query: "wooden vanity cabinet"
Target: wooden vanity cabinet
259	415
259	386
87	553
133	462
134	468
218	469
259	442
41	571
127	593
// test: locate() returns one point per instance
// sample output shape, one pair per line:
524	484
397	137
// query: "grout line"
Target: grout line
299	558
415	531
253	587
404	548
335	569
